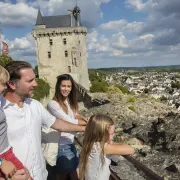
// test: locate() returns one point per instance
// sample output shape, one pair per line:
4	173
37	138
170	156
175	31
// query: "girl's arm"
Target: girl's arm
118	149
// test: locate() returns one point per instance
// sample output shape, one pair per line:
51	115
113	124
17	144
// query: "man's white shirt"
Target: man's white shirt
24	133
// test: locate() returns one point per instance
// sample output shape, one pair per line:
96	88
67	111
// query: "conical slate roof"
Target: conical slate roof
39	20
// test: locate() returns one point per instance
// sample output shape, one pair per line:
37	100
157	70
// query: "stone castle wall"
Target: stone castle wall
74	64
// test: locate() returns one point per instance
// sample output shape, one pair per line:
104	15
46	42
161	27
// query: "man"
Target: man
25	117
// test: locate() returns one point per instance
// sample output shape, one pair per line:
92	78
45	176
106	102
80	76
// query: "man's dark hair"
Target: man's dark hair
14	69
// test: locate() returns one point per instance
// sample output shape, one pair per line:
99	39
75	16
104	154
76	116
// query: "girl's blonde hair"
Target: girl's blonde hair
4	75
96	131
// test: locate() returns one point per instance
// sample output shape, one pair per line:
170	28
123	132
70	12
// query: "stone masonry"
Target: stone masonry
61	47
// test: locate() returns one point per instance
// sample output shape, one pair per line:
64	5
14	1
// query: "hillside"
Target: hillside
148	125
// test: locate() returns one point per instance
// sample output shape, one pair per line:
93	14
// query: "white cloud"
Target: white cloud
119	41
24	13
123	25
97	43
19	14
138	4
152	40
90	10
22	48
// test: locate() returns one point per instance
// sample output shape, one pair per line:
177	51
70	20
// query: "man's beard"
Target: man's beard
25	95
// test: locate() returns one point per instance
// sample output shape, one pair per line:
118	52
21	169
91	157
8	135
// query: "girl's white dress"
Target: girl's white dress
95	170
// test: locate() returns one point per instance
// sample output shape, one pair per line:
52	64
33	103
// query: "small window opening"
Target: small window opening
69	69
64	41
66	54
49	54
51	42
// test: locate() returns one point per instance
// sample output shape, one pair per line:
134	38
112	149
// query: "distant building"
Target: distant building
61	47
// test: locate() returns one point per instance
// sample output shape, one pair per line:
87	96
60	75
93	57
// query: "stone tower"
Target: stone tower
61	47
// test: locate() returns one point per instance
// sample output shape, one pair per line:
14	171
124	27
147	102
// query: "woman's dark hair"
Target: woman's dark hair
72	95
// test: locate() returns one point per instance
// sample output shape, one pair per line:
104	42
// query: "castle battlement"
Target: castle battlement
52	32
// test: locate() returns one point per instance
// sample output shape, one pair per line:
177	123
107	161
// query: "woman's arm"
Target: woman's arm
54	108
81	120
118	149
63	126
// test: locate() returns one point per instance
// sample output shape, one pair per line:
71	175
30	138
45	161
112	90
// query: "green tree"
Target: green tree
4	60
99	86
42	90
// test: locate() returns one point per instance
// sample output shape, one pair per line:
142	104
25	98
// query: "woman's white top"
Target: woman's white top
56	110
95	170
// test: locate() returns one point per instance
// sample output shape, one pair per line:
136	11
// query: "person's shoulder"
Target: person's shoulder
96	148
52	103
32	102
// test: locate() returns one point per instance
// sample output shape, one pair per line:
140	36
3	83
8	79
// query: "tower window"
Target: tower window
75	62
79	42
69	69
49	54
51	42
66	54
64	41
80	53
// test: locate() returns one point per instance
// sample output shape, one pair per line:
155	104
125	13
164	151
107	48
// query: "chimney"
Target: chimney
70	13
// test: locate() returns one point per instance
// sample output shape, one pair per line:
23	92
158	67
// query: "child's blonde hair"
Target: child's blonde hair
4	75
97	130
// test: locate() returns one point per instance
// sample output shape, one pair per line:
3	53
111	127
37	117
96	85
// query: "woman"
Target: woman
65	106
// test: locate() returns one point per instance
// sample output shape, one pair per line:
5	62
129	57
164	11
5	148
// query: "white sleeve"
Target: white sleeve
55	109
46	118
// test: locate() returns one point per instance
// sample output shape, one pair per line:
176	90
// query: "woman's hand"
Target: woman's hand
82	118
8	168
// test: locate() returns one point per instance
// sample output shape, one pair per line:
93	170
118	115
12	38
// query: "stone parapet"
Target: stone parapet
40	31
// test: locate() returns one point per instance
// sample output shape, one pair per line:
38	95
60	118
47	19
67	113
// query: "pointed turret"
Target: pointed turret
39	20
76	13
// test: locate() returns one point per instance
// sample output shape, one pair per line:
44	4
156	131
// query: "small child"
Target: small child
94	165
9	164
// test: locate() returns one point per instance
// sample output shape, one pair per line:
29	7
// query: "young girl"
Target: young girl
64	106
94	165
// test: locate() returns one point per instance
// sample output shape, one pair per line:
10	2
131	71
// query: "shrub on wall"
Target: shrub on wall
131	100
123	89
42	90
131	108
114	90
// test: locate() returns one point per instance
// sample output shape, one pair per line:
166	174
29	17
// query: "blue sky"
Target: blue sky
120	32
